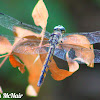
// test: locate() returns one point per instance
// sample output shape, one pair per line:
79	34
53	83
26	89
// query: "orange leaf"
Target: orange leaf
78	40
73	65
5	45
86	56
82	47
58	74
34	67
16	63
40	14
21	32
32	62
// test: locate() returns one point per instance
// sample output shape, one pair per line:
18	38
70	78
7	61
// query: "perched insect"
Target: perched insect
54	40
55	44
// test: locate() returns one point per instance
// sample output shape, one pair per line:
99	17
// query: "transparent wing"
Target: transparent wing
8	22
30	39
61	52
30	46
93	37
27	45
29	49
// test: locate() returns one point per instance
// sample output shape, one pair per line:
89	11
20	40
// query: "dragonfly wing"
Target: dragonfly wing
61	52
29	50
9	22
93	37
28	46
97	56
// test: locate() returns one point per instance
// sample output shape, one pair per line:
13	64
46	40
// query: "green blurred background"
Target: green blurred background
75	16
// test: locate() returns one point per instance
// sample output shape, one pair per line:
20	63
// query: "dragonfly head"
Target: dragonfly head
60	28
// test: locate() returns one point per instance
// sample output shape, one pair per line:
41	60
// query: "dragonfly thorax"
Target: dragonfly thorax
55	38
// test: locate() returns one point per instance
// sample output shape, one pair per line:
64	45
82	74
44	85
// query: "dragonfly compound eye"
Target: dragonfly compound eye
59	28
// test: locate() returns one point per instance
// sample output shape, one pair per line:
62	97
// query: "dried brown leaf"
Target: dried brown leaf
82	47
40	14
16	63
5	45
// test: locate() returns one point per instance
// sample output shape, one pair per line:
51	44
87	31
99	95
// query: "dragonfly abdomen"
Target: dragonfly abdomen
46	66
43	75
54	40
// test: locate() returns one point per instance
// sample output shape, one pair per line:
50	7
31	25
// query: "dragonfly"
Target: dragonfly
54	44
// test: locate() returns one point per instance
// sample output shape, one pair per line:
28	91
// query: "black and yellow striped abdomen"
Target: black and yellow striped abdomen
46	65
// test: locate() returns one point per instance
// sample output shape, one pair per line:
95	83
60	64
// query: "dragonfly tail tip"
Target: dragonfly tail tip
39	84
